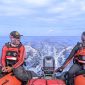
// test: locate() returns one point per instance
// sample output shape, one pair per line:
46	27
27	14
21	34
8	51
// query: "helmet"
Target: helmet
15	34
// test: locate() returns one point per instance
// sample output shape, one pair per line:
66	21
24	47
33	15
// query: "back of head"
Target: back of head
83	37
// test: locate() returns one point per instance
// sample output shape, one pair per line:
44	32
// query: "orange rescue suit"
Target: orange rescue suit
15	55
80	55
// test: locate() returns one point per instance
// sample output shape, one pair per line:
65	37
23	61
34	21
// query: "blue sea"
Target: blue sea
45	45
70	40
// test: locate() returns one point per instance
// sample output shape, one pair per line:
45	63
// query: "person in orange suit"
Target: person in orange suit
13	56
78	56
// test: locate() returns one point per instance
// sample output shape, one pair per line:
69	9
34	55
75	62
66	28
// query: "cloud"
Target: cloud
7	1
46	19
63	12
38	3
56	10
46	13
82	5
22	7
51	31
13	11
68	8
61	9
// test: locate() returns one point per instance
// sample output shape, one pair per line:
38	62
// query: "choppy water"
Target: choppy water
45	45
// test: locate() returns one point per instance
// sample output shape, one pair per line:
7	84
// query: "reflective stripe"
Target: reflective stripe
11	58
81	61
83	57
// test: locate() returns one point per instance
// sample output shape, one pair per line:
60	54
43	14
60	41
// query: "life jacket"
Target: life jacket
12	54
80	55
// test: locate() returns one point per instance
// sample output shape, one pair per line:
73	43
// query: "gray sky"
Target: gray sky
42	17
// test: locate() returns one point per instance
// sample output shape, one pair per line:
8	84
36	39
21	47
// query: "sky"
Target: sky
42	17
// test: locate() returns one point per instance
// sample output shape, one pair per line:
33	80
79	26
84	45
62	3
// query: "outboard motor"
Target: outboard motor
48	66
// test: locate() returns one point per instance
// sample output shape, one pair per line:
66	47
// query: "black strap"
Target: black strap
9	45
